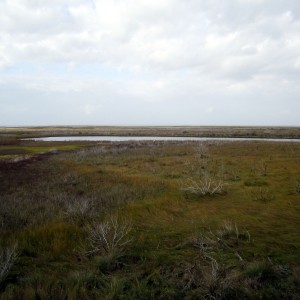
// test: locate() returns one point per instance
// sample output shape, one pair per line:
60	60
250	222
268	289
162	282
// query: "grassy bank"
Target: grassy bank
152	220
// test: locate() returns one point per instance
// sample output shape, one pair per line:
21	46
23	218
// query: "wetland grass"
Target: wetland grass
242	244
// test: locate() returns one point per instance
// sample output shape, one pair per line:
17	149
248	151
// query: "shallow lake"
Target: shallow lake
152	138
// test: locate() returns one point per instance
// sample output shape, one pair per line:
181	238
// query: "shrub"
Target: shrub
228	236
298	187
79	210
8	256
206	185
110	236
202	150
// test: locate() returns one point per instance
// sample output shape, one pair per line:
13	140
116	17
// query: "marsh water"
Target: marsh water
153	138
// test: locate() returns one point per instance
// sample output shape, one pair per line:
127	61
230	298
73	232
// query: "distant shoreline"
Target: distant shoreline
155	131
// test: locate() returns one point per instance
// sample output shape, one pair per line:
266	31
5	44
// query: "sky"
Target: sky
150	62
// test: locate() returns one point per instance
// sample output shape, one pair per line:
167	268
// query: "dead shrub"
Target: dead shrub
206	185
109	236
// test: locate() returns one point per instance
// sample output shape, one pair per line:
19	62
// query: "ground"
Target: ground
150	220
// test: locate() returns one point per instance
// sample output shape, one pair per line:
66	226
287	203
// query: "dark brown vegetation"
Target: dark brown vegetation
122	220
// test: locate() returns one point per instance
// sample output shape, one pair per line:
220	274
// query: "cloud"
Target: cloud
165	53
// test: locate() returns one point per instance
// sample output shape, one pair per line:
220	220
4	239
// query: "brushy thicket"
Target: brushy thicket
152	220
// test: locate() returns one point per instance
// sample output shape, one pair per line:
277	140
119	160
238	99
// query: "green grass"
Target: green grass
9	152
48	206
34	150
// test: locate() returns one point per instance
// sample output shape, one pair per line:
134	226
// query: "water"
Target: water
152	138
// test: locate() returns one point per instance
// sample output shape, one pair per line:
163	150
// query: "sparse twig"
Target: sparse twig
79	210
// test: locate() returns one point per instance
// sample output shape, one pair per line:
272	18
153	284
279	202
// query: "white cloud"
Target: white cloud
160	52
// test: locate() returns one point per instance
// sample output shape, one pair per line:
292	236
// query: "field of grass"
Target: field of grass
150	220
196	131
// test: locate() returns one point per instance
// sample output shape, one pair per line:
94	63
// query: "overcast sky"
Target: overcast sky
149	62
